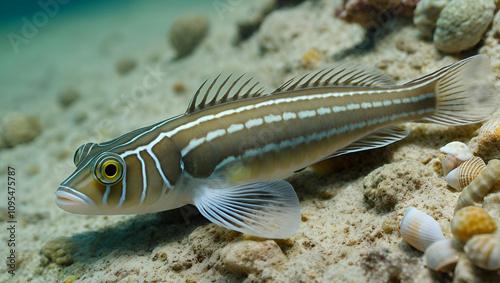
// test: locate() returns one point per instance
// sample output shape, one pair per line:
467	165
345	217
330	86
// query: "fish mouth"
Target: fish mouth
72	201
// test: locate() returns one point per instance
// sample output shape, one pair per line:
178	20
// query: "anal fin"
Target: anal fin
376	139
267	209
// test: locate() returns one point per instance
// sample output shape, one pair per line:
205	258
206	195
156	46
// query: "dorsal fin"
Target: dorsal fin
223	89
339	74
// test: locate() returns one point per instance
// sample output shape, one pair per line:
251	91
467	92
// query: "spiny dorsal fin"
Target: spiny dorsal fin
339	74
223	89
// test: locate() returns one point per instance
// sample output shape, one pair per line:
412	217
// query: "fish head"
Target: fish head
111	179
97	183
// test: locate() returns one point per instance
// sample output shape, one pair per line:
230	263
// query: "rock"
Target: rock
375	13
426	15
18	128
124	66
187	32
251	257
386	186
248	25
68	96
60	251
462	24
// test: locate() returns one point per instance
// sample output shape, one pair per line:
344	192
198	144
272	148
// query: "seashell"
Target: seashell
470	221
484	251
486	144
449	162
482	185
490	127
419	229
463	175
442	255
458	149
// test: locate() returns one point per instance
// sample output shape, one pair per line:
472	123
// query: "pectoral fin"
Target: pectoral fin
267	209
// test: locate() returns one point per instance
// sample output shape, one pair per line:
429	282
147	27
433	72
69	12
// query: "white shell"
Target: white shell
484	251
463	175
449	162
443	255
419	229
459	149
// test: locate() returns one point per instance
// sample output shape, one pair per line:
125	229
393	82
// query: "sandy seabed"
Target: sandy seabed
342	237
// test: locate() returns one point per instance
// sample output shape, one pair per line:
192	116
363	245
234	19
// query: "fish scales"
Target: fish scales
353	108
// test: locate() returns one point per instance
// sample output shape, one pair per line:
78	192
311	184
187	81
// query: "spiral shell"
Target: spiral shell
463	175
470	221
480	186
442	255
484	251
458	149
419	229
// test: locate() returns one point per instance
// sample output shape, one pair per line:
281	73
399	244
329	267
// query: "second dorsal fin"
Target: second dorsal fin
339	74
223	89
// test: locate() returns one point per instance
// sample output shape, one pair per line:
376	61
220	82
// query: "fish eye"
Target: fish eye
108	168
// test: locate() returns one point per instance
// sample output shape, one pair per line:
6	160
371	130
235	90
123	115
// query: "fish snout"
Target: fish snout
72	201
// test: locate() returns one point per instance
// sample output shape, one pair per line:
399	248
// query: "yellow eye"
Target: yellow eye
108	168
111	169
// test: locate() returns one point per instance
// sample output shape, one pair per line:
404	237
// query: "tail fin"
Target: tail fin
464	92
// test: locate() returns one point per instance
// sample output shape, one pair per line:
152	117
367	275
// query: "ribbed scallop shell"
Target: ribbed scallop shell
492	126
464	174
484	251
442	255
458	149
480	186
419	229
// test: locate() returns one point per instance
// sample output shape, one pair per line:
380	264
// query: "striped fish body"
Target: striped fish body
228	152
270	137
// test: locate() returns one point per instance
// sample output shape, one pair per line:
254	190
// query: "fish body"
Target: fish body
228	153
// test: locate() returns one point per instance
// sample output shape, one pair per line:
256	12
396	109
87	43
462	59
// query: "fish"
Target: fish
229	153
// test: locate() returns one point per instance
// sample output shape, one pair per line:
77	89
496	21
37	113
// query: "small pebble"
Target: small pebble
179	87
124	66
18	128
68	96
187	32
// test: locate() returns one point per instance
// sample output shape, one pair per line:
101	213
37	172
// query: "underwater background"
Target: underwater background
78	71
